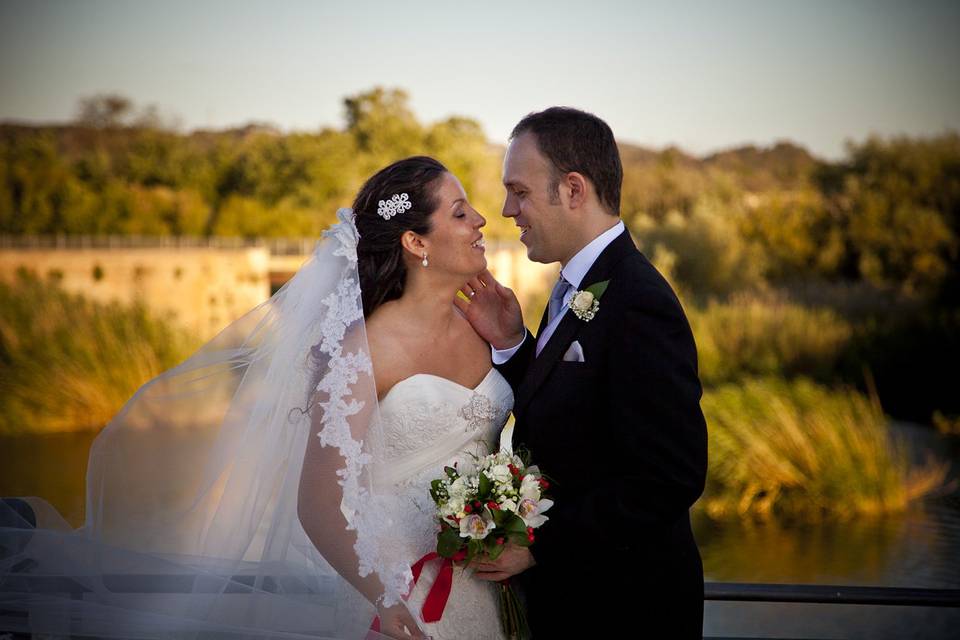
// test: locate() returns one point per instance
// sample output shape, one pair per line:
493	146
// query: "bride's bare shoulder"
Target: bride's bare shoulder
386	350
379	325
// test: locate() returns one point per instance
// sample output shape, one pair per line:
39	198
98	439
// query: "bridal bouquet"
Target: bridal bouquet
500	500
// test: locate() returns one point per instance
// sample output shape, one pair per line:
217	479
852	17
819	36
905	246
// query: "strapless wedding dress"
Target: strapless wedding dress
429	423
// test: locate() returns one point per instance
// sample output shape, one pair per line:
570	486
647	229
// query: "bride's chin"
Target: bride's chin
473	267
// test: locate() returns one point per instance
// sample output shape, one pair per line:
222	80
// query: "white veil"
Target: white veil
230	497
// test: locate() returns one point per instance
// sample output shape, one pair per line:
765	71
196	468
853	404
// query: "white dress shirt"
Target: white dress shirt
574	273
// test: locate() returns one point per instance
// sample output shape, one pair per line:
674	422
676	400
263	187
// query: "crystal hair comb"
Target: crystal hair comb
399	203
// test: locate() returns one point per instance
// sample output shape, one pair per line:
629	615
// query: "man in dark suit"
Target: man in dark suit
607	398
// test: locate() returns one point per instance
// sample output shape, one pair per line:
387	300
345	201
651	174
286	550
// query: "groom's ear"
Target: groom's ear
576	187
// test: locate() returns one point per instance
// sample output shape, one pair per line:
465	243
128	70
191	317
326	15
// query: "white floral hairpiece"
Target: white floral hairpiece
397	204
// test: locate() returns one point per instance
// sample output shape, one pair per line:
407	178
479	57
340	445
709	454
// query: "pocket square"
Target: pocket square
574	353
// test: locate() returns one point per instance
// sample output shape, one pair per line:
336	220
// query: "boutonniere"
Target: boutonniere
586	303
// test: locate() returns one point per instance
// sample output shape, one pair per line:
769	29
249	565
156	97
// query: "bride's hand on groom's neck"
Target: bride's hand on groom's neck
493	310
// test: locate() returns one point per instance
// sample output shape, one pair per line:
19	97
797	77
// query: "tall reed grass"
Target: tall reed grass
68	364
798	450
752	336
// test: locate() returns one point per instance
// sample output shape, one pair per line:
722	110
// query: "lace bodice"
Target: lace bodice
422	409
431	422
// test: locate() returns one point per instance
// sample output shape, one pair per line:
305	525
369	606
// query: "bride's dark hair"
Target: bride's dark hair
383	273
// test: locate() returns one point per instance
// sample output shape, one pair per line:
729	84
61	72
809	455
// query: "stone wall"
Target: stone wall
531	281
507	262
205	288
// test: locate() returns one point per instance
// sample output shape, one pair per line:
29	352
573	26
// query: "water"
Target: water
50	466
919	548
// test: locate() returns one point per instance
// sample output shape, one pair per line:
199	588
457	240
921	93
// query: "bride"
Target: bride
276	484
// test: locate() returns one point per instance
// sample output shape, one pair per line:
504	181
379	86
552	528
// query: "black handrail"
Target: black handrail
713	591
21	516
830	594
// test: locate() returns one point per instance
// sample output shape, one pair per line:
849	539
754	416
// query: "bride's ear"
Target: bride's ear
413	244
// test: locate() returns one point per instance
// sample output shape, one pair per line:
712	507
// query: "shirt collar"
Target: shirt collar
580	264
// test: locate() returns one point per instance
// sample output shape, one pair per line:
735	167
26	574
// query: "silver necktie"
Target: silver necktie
556	298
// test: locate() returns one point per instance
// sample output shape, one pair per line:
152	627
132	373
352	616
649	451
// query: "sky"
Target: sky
702	76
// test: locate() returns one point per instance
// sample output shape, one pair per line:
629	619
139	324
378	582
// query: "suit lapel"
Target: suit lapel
570	324
544	363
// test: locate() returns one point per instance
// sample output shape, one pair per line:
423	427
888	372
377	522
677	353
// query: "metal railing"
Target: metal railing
713	591
276	246
293	246
830	594
817	594
17	513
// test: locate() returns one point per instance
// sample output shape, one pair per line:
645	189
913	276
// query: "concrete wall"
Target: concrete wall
531	281
206	288
203	288
507	262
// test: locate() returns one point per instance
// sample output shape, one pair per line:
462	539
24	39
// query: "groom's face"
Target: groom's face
533	202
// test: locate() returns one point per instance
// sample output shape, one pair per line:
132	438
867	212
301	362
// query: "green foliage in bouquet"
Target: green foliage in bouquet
500	501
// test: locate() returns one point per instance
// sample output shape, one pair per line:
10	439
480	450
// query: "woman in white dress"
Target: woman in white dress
276	484
440	399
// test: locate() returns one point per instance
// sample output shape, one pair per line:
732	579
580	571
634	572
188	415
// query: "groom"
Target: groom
607	405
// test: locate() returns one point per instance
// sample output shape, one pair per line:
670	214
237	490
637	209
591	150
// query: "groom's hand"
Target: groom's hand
512	561
493	310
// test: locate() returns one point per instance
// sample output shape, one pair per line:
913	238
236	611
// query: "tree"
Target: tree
383	125
104	111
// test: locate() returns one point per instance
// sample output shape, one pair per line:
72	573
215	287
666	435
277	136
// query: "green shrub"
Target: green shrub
750	336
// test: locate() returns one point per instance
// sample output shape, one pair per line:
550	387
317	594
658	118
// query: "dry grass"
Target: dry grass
948	425
67	364
794	449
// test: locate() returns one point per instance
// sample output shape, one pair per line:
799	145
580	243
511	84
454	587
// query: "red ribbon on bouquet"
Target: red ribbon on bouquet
439	593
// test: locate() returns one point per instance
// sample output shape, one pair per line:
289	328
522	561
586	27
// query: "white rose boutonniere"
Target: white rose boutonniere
586	303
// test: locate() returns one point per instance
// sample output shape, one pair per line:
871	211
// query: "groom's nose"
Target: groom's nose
510	208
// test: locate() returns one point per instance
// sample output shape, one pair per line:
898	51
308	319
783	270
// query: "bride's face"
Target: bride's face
455	242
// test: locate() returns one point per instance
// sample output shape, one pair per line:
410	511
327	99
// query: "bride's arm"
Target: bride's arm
320	496
318	508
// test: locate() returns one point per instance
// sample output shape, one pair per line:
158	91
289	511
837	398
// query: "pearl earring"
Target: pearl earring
424	261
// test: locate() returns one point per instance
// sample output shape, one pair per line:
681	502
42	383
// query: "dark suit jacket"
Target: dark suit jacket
625	442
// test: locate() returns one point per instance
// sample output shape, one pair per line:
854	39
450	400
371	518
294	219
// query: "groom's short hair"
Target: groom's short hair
575	140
